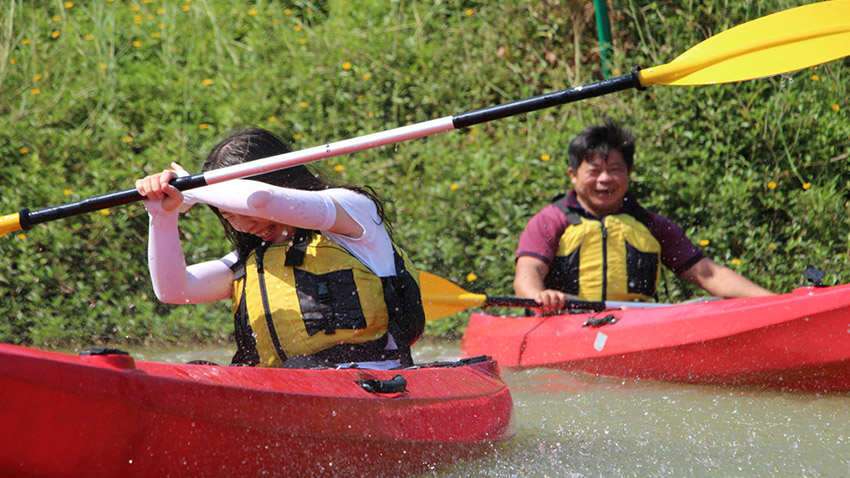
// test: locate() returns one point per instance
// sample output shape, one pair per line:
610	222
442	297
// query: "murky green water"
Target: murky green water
574	425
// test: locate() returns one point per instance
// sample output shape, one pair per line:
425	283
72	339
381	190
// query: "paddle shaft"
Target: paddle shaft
28	219
569	305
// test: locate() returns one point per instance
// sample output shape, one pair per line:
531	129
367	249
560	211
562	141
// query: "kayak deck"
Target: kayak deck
108	415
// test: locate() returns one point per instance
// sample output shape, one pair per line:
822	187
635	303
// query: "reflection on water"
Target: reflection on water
575	425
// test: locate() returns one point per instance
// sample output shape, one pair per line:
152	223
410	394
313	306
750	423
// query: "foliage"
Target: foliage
96	94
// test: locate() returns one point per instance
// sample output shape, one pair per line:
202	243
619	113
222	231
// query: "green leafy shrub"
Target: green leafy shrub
97	94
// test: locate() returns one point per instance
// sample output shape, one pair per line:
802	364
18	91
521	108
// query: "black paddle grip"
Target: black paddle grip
547	100
30	218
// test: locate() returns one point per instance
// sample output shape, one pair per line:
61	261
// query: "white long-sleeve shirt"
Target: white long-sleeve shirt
175	282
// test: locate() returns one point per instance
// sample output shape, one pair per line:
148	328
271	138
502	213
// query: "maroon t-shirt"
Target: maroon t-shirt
543	232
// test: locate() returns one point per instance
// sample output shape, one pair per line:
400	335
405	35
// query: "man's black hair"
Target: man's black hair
600	140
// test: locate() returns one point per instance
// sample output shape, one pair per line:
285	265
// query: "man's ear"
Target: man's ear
572	174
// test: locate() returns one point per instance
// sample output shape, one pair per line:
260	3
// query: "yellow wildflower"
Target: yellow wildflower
469	12
771	185
360	97
471	277
26	41
807	185
105	212
55	34
297	137
454	187
815	78
835	107
346	65
545	157
736	261
272	119
297	28
704	242
206	82
88	37
68	192
288	11
252	12
35	91
771	246
339	168
24	150
103	66
127	139
69	4
137	19
36	78
155	35
303	41
134	8
303	104
21	236
137	43
13	61
276	21
57	18
185	8
367	77
203	126
160	11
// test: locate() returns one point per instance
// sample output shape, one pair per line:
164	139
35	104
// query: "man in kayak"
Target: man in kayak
597	243
313	275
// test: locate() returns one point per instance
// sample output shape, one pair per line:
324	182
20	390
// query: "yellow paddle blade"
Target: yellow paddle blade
778	43
10	223
441	298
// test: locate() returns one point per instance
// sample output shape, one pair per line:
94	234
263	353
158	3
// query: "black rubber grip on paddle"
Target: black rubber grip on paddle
547	100
96	203
530	303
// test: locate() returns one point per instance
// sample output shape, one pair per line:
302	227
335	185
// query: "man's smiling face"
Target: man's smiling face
601	183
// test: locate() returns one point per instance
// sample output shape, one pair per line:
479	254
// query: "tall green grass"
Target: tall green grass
98	93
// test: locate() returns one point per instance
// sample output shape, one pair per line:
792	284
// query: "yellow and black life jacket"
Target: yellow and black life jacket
616	258
312	297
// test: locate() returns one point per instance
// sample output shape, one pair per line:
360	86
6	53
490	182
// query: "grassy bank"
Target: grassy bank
96	94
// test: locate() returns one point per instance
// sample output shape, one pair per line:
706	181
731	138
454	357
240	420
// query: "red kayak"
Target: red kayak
106	414
799	340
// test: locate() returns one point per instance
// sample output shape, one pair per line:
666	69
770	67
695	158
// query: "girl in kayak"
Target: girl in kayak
314	274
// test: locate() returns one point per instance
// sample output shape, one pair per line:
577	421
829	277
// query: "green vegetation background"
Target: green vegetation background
97	93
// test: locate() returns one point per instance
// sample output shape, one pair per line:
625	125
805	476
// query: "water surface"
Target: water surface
576	425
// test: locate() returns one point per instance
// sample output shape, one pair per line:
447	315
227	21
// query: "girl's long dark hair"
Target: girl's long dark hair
256	143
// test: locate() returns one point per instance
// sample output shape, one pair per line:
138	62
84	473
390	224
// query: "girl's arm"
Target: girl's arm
295	207
173	282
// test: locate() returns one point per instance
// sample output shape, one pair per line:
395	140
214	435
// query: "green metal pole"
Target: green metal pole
603	27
